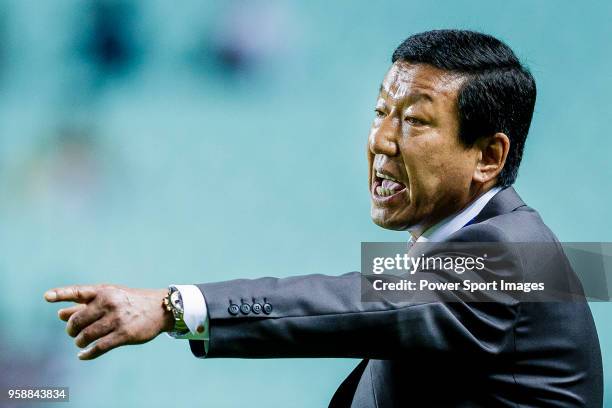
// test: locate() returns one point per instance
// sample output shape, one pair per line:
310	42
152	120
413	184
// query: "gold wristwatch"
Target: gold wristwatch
174	303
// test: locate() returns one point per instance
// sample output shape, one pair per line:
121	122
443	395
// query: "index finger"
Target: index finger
74	293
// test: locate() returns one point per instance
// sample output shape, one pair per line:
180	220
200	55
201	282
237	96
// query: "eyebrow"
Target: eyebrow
416	96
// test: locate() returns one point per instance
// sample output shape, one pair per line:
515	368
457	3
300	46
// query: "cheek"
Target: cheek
423	164
435	168
461	163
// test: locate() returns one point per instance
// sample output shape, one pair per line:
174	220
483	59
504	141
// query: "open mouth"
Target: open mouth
385	187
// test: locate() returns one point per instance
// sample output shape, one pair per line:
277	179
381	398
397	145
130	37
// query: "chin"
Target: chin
390	222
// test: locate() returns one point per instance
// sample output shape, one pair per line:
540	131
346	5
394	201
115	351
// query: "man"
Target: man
445	146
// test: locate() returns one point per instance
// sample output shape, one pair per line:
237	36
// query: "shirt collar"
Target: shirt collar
455	222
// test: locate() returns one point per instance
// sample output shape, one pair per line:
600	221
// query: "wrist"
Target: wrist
167	318
168	321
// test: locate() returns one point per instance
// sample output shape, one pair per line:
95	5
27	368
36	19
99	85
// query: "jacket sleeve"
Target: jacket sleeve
324	316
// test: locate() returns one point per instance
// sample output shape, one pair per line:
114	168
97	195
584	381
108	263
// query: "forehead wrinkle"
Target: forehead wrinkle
403	93
401	78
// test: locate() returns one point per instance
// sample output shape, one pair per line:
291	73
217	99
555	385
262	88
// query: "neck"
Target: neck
475	191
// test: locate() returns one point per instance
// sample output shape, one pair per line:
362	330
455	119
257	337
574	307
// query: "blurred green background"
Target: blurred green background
151	142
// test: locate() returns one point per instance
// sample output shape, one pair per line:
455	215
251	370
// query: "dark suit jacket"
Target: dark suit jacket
423	355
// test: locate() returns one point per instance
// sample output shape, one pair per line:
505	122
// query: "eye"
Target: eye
379	113
414	121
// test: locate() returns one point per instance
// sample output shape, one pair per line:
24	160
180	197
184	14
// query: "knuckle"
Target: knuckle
81	340
107	299
95	350
114	297
73	326
115	322
126	333
86	335
132	334
102	346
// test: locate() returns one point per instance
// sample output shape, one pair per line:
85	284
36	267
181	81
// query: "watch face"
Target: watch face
175	299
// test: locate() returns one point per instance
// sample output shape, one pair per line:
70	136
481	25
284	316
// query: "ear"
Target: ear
493	151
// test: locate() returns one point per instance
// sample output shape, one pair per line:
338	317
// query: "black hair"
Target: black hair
498	94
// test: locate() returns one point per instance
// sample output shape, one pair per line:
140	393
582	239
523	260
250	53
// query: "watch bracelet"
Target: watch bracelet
179	324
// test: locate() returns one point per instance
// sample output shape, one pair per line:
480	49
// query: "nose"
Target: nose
383	140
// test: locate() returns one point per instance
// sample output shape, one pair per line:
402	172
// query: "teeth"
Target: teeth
384	192
389	186
385	176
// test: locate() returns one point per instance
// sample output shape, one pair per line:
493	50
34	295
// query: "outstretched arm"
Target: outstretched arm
306	316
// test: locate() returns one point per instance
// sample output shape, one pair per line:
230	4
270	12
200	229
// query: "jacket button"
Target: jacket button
256	308
233	309
245	308
267	308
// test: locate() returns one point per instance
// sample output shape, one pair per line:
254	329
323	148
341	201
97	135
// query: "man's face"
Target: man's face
419	170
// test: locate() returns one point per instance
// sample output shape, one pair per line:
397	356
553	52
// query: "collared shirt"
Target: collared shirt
194	304
455	222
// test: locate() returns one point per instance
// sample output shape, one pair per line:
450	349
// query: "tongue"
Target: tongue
392	185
